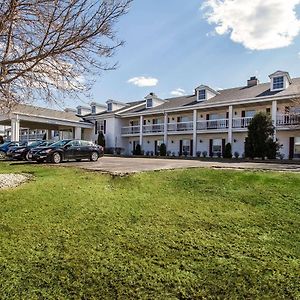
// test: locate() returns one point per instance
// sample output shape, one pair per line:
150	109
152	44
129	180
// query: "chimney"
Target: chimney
252	81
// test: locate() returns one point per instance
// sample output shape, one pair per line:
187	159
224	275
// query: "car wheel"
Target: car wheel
94	156
27	156
2	155
56	158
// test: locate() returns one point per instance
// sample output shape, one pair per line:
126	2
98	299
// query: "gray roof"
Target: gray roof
232	94
45	112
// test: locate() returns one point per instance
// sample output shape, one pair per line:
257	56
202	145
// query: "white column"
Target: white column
77	131
274	117
15	130
166	129
141	131
194	133
49	134
230	116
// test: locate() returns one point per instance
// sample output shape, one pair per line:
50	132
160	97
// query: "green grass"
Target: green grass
186	234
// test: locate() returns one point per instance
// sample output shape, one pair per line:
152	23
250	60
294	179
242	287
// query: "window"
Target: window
93	109
109	106
249	113
101	126
79	111
297	147
201	95
278	83
149	103
186	146
217	146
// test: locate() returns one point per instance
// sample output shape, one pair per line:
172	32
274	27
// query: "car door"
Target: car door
85	149
70	150
76	150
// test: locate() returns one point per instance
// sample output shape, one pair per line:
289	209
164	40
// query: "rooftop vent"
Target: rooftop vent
252	81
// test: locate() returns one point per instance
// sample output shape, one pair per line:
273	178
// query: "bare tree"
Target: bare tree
51	49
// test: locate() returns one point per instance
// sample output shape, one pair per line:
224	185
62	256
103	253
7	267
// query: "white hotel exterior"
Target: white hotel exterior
202	122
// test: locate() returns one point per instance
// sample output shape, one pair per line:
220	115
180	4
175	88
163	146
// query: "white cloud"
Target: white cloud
142	81
257	24
178	92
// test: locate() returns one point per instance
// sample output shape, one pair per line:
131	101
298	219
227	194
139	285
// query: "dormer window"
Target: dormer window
278	83
201	95
79	111
149	103
109	106
93	109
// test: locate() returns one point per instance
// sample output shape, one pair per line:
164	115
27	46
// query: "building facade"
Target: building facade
201	123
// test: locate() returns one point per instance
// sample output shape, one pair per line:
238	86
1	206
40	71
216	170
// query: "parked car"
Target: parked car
6	146
68	150
21	152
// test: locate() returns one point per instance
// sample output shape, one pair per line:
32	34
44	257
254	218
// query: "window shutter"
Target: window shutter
96	127
104	125
227	115
180	148
155	147
243	114
191	148
207	116
178	119
144	122
223	146
292	146
210	147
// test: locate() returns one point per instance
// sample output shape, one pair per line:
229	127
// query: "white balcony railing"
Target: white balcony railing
241	122
154	128
288	119
178	127
130	130
212	124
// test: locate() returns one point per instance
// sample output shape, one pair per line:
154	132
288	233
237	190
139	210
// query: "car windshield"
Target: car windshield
35	144
60	143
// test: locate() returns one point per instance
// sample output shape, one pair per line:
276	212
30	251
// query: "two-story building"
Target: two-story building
204	121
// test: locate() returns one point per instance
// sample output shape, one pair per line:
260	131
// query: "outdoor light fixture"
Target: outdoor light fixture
200	141
201	116
173	119
235	140
148	142
129	142
172	142
235	113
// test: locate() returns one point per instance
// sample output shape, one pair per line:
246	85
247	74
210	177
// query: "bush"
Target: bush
228	151
204	153
163	150
101	139
272	149
168	153
236	155
198	153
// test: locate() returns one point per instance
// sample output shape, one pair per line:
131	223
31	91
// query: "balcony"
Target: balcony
241	122
180	127
212	124
129	130
288	119
155	128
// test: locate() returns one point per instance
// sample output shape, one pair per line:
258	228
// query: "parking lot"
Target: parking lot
123	165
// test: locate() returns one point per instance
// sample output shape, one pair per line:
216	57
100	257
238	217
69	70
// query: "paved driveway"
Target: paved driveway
123	165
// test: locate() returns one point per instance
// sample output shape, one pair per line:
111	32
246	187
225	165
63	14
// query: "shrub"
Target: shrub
168	153
137	150
101	139
236	154
163	150
204	153
198	153
185	153
219	154
272	148
228	151
173	154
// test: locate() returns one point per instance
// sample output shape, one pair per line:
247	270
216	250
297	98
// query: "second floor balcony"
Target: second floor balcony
242	123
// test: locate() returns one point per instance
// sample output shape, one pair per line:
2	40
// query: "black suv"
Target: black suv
68	150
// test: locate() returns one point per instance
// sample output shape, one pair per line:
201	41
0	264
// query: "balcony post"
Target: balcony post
230	116
166	129
194	133
141	131
274	117
15	129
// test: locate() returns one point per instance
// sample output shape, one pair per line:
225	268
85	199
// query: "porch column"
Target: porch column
230	116
194	133
77	133
15	130
141	131
166	129
49	134
274	117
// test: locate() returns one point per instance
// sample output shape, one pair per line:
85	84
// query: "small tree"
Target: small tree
137	150
228	151
259	142
44	137
101	139
163	150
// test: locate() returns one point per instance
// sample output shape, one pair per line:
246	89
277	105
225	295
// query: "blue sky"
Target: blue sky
172	41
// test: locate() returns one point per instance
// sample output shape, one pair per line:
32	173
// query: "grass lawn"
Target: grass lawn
185	234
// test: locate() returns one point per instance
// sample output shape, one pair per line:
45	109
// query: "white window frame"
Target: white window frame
278	85
202	93
149	103
109	106
217	146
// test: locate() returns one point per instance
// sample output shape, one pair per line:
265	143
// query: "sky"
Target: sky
173	46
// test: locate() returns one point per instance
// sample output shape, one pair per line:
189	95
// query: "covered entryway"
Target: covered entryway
52	123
